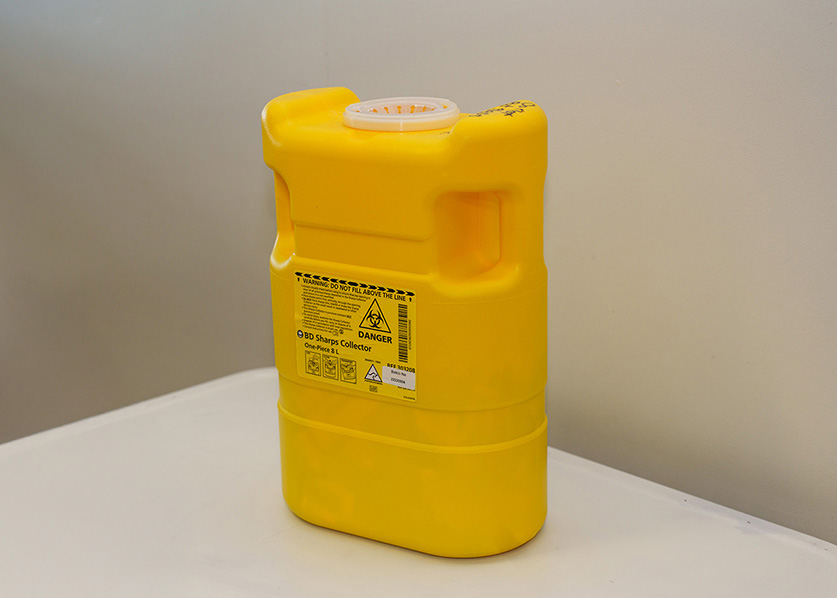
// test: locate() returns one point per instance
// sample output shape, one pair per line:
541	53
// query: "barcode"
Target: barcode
403	332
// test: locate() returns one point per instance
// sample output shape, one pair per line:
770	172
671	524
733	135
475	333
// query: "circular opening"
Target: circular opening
401	114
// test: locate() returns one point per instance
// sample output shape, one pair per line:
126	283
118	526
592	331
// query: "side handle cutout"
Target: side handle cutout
285	244
468	233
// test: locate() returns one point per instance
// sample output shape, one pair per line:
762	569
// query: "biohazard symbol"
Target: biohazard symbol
372	374
374	319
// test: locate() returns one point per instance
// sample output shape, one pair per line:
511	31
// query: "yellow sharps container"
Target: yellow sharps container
409	314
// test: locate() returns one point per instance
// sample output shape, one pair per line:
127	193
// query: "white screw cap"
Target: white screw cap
401	114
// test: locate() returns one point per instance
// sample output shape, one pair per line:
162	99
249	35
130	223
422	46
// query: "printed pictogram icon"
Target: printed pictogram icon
372	374
348	371
330	366
374	319
312	363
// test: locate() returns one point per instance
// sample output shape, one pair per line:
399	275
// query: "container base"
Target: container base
453	501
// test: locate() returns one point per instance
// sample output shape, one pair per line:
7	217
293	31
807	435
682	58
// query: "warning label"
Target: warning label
356	335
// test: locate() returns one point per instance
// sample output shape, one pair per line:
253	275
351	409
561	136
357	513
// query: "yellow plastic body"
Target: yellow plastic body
455	215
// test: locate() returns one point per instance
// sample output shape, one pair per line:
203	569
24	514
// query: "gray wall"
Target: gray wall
690	211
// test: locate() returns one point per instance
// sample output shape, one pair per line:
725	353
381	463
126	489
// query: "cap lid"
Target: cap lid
401	114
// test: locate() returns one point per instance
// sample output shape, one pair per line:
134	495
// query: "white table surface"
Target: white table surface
181	496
